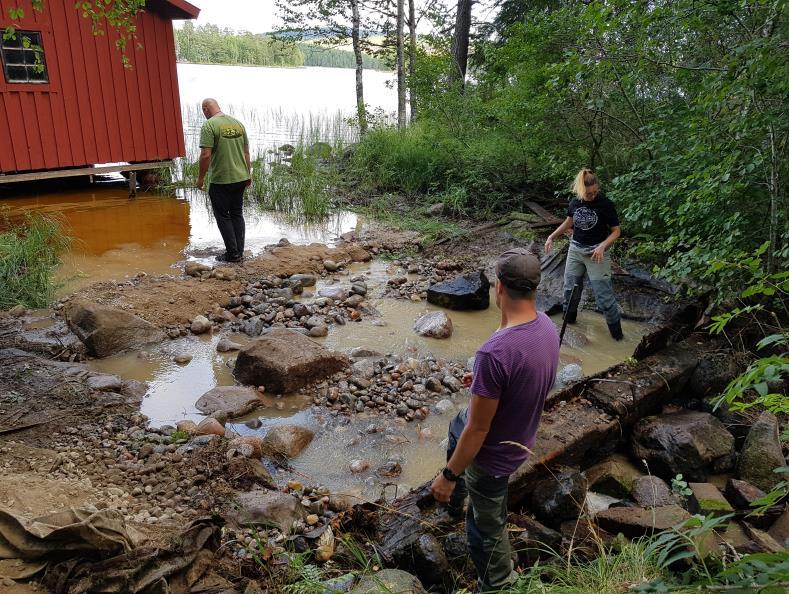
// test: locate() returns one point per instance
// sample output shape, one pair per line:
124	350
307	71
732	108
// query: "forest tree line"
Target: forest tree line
679	105
210	44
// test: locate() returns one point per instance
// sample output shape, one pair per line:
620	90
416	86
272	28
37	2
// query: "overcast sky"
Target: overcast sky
256	16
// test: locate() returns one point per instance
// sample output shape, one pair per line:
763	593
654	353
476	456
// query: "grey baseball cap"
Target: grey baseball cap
518	269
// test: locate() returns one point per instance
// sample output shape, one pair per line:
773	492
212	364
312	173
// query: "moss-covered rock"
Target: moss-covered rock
761	454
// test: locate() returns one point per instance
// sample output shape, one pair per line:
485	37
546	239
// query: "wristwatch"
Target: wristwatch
449	475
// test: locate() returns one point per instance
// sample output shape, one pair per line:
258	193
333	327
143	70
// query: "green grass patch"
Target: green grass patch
30	252
432	228
615	571
301	186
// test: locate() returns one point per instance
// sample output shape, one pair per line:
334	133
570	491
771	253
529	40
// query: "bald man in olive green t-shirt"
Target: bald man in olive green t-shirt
224	152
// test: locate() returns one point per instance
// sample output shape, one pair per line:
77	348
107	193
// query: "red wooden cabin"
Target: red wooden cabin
86	108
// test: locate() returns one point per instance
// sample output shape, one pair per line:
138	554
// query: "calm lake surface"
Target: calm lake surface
278	105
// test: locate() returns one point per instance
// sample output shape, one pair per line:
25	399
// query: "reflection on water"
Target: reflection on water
115	238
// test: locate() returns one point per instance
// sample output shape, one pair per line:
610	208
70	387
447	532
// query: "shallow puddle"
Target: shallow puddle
116	238
174	388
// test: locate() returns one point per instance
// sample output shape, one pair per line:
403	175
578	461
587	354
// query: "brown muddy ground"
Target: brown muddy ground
168	301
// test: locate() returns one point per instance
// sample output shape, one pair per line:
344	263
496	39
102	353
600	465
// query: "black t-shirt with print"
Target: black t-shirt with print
592	221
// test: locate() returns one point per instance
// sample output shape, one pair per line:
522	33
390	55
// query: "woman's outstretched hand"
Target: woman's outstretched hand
548	245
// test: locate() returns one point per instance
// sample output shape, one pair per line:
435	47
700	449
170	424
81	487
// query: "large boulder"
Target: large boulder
287	440
761	454
430	562
234	401
614	476
714	371
536	541
435	324
268	508
690	443
637	521
284	361
106	331
389	580
652	491
470	291
560	496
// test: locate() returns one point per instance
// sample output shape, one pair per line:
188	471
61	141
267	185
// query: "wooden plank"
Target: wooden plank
120	100
7	162
135	115
49	145
180	149
143	89
544	214
97	115
98	170
158	117
71	148
77	99
164	29
18	136
104	56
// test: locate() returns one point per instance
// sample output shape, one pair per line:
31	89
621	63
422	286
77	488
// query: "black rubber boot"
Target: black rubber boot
616	330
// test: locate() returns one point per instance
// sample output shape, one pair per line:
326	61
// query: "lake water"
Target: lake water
277	105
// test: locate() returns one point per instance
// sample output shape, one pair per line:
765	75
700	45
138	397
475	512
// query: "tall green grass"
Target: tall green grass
482	172
301	187
613	571
30	252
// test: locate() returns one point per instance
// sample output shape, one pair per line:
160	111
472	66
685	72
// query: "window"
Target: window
23	58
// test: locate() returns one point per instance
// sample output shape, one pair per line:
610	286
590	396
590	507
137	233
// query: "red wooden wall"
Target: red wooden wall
93	110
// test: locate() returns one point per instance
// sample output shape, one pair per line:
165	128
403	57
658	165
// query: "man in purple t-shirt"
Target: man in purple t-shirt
513	372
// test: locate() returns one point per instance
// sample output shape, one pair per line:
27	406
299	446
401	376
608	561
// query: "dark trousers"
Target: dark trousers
227	202
486	518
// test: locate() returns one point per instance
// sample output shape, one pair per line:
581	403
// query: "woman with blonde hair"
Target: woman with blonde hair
595	226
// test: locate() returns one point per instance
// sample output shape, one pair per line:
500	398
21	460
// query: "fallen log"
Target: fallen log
487	227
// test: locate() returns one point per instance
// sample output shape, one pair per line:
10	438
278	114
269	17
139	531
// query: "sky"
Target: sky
256	16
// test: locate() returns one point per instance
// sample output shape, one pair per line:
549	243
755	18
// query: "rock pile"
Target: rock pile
415	276
275	302
408	388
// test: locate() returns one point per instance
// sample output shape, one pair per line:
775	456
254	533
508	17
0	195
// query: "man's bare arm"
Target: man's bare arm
205	163
480	415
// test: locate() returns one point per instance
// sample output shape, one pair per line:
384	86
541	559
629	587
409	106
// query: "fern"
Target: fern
310	581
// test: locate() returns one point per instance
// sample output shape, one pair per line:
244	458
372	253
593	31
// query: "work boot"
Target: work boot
571	315
616	330
226	257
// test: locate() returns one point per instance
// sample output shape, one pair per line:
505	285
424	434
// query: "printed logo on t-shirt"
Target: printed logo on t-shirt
584	218
231	131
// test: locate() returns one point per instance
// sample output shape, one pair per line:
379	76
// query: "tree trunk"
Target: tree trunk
775	199
361	111
400	66
460	42
412	57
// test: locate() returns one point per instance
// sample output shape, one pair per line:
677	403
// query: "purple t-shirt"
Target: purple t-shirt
516	366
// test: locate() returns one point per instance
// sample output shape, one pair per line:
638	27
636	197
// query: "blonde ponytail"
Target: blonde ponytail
585	179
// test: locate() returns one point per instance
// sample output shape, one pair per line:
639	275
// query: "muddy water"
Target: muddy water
173	388
115	238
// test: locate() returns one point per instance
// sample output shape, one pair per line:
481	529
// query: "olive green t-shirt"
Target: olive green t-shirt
227	137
